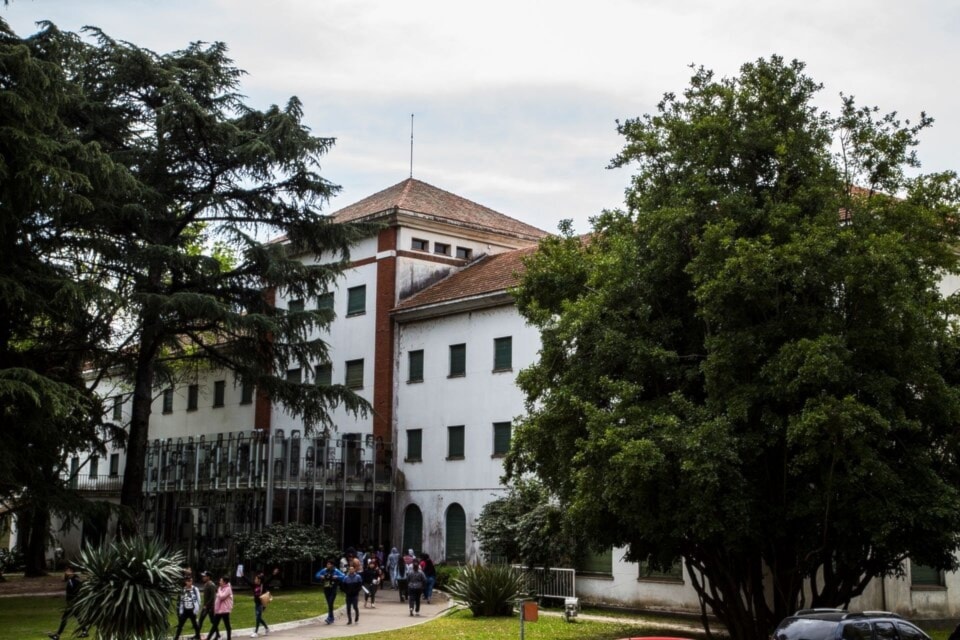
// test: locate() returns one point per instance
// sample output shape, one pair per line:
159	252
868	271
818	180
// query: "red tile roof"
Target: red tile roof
421	198
489	274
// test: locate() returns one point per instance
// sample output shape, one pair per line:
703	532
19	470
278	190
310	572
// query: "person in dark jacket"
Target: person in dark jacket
372	577
208	591
351	585
329	578
72	589
415	584
430	573
259	590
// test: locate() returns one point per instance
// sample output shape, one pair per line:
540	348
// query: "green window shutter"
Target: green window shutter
193	397
924	575
456	534
597	562
458	360
501	438
219	392
118	408
325	374
674	573
412	529
503	353
295	305
356	300
354	374
94	466
168	400
325	301
455	442
246	393
295	375
416	366
414	444
114	465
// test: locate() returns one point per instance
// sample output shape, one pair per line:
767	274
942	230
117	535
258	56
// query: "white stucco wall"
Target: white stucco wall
476	400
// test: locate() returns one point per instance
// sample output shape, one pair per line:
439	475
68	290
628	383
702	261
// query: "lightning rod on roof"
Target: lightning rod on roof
411	145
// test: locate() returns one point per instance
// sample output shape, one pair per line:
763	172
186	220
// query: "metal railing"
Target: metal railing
549	583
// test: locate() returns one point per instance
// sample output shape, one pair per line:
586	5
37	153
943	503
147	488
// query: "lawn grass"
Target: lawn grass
36	616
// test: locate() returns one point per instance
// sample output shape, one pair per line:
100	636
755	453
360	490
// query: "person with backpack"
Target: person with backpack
415	583
188	603
329	578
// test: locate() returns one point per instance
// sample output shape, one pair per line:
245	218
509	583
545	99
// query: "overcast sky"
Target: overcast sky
516	101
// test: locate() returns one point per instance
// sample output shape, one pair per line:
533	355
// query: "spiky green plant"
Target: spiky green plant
128	588
487	590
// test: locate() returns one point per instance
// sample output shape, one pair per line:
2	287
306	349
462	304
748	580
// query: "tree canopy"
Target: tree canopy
156	182
752	367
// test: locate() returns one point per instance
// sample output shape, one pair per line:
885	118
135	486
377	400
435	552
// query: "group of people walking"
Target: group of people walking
413	577
215	601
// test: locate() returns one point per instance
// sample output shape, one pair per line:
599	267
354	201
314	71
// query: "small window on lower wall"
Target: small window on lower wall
353	379
601	563
673	574
924	576
414	445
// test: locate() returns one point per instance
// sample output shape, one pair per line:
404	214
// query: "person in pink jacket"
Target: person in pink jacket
222	607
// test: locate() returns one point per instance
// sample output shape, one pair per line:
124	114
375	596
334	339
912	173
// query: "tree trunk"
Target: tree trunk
34	539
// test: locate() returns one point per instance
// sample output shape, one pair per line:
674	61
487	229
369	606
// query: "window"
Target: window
418	244
463	253
414	444
458	360
295	375
114	465
415	368
325	374
441	248
325	301
909	632
94	463
501	438
597	562
295	305
924	576
503	354
884	631
168	400
219	391
857	631
357	300
673	574
193	395
246	393
455	443
456	534
118	407
354	375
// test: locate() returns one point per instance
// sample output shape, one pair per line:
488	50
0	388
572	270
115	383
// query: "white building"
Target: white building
427	332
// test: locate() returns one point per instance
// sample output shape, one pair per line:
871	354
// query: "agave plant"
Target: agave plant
487	590
128	588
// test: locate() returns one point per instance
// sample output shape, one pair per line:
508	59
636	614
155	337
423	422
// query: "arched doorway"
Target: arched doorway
456	534
413	529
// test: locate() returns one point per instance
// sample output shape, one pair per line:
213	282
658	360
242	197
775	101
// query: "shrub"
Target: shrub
10	560
283	543
128	588
446	573
487	590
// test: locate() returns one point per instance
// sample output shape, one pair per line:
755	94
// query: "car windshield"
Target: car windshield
806	629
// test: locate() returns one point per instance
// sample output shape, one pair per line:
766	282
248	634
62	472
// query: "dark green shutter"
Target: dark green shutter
924	575
219	392
168	400
416	366
456	534
503	353
325	375
295	305
598	562
354	374
501	438
356	300
193	397
414	444
412	529
458	359
118	408
294	375
325	301
455	435
246	393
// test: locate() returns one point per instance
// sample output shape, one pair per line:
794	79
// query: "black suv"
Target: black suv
837	624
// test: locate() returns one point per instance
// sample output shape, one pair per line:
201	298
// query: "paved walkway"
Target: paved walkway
389	614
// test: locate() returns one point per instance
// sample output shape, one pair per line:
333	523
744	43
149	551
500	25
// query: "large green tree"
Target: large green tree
54	312
752	367
216	177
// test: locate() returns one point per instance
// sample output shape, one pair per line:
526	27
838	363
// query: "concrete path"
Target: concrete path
389	614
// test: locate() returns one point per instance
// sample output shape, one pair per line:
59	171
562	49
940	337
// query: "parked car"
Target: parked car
837	624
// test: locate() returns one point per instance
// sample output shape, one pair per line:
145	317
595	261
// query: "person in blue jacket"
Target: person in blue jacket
330	579
351	584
